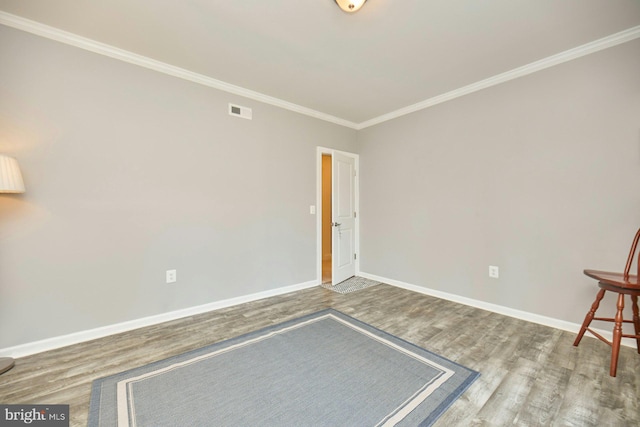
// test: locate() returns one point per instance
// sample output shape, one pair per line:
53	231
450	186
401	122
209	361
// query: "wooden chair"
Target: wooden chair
623	284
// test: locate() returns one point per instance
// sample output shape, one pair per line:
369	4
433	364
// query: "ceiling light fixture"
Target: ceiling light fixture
350	6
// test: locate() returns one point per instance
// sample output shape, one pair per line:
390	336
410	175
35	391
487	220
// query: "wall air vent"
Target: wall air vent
238	111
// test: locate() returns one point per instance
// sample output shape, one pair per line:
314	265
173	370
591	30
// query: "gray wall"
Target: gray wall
129	173
539	176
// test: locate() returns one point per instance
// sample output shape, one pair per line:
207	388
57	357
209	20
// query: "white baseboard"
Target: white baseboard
507	311
82	336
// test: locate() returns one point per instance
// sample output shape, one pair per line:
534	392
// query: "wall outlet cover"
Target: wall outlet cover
171	276
494	272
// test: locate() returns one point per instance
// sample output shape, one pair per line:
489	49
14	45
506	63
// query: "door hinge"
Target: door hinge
355	256
355	214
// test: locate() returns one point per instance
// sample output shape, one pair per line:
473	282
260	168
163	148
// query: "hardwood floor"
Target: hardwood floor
531	374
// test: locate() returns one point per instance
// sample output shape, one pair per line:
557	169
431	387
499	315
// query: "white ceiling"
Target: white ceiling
355	67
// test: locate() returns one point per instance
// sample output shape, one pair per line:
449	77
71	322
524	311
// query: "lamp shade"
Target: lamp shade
10	176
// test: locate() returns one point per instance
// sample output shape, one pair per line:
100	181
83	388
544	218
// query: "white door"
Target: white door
343	224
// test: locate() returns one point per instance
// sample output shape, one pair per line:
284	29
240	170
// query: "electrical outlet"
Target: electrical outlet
171	276
494	272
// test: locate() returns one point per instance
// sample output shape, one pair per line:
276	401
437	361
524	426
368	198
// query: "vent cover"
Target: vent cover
238	111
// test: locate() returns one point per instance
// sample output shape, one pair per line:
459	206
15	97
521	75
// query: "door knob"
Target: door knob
336	224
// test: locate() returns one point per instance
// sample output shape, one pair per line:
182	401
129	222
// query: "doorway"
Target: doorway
337	222
326	218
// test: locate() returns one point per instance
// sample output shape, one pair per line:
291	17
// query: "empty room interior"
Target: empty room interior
192	173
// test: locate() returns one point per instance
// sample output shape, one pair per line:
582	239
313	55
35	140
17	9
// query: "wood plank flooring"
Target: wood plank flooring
531	374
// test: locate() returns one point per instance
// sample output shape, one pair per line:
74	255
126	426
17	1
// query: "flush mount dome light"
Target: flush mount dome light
350	6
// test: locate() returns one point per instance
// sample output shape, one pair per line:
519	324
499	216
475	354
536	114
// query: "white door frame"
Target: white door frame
319	152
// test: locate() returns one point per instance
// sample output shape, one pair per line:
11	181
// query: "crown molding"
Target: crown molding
568	55
56	34
71	39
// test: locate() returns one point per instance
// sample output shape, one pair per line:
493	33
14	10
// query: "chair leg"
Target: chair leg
636	319
589	317
617	336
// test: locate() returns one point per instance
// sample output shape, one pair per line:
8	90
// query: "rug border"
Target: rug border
451	399
96	394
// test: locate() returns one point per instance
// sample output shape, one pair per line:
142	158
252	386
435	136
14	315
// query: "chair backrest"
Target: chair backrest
632	252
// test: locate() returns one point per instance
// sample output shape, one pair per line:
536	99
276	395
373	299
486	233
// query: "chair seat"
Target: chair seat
615	279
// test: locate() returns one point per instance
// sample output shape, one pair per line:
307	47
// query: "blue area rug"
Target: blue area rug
324	369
